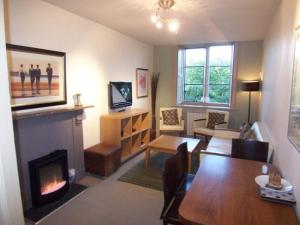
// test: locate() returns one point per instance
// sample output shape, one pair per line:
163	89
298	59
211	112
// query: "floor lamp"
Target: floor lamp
250	86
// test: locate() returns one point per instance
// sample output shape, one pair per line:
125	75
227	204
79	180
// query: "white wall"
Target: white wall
95	54
277	72
249	63
249	60
165	62
11	212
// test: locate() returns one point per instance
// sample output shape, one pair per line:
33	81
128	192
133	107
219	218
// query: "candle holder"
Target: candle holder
77	100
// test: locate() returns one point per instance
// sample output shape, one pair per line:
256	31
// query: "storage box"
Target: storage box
102	159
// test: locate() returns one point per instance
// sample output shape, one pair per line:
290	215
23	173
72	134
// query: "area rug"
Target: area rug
152	177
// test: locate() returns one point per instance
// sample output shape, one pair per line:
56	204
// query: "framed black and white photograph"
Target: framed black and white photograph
37	77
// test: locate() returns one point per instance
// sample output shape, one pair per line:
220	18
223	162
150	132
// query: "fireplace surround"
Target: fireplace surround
49	178
37	135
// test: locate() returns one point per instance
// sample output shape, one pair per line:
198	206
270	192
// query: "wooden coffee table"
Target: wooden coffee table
169	144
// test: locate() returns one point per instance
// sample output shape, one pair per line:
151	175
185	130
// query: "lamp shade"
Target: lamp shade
250	85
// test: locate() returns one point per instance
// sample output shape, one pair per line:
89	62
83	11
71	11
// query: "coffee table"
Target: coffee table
169	144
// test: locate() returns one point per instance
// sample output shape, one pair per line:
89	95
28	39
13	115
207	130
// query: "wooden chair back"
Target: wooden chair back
182	152
174	171
249	149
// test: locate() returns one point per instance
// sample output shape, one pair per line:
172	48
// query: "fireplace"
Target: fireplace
49	178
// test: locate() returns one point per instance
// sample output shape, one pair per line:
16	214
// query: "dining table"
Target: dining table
224	192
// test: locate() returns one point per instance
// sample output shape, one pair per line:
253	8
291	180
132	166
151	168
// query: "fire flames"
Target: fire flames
52	186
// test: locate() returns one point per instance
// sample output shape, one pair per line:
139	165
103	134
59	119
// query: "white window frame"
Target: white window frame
206	77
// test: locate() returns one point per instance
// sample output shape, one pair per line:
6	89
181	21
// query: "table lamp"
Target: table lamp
250	86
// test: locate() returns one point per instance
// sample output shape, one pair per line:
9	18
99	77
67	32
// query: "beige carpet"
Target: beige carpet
111	202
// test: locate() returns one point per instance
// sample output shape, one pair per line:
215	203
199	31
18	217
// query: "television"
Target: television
120	94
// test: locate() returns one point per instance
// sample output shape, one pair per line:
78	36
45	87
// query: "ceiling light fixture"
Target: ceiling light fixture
162	16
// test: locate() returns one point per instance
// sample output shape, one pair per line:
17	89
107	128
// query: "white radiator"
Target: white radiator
191	116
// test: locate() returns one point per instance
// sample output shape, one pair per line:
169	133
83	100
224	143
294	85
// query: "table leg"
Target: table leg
147	156
198	156
189	162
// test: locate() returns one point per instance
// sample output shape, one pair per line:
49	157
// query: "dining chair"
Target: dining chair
172	176
250	149
186	178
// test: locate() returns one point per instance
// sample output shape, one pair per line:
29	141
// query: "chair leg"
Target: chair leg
165	222
195	135
206	139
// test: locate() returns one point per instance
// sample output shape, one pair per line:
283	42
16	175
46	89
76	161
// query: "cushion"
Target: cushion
226	134
245	127
219	145
204	131
170	117
215	118
171	128
250	134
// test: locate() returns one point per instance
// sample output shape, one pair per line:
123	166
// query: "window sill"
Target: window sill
204	106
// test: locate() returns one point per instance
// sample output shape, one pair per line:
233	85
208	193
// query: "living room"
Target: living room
106	48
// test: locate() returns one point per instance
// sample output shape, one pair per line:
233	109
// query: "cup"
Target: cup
264	169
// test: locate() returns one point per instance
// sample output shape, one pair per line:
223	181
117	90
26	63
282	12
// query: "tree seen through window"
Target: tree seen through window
208	74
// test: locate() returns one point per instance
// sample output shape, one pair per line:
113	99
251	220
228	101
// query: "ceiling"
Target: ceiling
201	21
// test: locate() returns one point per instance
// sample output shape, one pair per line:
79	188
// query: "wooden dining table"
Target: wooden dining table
224	192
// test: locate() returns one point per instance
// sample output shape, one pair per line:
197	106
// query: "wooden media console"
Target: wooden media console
129	130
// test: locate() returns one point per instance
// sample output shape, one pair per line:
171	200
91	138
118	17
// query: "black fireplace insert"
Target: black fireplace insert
49	178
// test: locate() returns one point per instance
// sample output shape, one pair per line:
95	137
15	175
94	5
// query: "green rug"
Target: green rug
152	177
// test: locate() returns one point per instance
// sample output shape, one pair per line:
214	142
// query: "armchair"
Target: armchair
214	119
171	121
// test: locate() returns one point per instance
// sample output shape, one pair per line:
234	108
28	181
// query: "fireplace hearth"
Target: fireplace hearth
49	178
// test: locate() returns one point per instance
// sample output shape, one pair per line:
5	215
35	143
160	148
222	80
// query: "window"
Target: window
206	74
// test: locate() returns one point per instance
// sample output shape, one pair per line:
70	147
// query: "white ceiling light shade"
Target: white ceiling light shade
173	26
162	16
154	18
159	25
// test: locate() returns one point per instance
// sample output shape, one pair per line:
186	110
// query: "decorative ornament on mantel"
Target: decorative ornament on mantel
162	16
77	100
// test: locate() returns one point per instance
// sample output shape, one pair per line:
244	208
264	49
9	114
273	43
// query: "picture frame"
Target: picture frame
37	77
294	114
141	83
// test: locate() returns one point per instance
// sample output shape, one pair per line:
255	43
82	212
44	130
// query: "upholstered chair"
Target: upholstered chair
171	121
214	119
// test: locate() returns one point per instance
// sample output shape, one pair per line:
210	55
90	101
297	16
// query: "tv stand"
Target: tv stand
129	130
122	110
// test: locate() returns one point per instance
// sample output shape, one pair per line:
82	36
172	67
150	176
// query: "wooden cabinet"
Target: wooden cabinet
130	130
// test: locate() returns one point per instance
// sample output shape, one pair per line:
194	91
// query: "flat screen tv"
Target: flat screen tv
120	94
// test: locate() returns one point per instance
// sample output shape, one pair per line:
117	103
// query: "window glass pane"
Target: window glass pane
193	93
219	75
195	57
219	93
220	55
194	75
210	84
